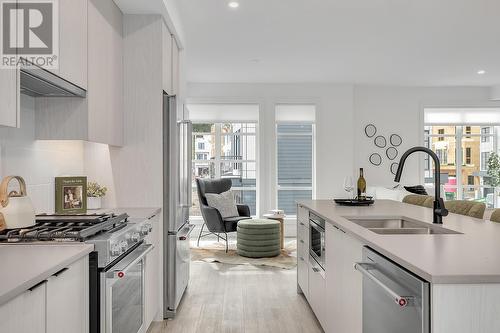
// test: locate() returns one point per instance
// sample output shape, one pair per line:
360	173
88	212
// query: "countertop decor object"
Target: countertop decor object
391	153
375	159
16	208
380	141
71	195
95	193
370	130
395	140
394	168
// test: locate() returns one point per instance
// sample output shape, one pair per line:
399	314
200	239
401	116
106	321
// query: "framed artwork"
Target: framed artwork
71	195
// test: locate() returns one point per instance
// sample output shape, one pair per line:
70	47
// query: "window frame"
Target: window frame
312	134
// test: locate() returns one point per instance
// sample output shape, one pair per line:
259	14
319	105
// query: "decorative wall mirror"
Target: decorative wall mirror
394	168
370	130
391	153
395	140
380	141
375	159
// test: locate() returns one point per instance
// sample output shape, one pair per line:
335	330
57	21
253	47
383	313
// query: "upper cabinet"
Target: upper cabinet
99	117
167	41
73	42
175	67
9	98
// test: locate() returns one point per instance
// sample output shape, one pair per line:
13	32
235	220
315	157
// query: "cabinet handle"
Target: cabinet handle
59	272
302	241
315	270
301	223
301	258
37	285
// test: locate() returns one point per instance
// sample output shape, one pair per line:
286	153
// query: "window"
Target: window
485	132
485	156
441	132
226	150
464	151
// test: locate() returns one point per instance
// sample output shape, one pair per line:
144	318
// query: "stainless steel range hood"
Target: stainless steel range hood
37	82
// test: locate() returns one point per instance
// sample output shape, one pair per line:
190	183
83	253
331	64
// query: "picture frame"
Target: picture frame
71	195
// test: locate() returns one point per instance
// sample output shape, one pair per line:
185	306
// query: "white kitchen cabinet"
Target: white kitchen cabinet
68	299
25	313
73	42
167	43
99	117
9	98
317	293
343	282
152	274
303	250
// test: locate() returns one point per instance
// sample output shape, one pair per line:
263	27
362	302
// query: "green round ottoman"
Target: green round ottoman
258	238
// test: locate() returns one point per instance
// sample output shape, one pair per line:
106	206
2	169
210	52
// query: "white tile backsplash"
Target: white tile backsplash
38	161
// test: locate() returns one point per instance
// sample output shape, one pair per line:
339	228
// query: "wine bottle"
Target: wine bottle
361	185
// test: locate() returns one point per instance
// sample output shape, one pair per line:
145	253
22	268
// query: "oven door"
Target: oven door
317	243
122	298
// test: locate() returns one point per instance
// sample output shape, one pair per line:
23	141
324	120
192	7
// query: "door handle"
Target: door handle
402	301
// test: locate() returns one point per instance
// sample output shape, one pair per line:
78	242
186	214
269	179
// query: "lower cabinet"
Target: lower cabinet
343	282
317	293
59	304
25	313
68	299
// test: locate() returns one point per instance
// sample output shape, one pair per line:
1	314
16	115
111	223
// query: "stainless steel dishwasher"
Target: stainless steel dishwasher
394	300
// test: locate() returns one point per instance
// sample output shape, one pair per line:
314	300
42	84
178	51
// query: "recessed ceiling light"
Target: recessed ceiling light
481	72
233	4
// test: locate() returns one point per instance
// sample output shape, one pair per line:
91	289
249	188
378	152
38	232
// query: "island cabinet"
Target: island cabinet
58	304
343	282
303	250
9	98
99	116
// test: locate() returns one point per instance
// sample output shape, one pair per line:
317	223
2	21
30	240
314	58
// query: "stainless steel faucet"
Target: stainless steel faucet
439	208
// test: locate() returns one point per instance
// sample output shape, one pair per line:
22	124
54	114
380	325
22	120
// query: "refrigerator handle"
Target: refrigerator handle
189	159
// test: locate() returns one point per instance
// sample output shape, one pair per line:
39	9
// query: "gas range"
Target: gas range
112	235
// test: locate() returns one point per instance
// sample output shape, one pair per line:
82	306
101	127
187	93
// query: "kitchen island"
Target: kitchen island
459	259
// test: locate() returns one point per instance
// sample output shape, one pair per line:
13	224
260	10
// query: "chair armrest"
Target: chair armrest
243	210
213	219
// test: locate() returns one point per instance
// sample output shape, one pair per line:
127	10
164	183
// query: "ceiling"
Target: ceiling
394	42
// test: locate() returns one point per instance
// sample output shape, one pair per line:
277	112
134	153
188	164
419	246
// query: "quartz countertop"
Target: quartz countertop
470	257
25	265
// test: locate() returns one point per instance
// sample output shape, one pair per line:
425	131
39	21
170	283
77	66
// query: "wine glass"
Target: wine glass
348	185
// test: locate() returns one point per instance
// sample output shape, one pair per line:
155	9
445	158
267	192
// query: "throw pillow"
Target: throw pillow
223	202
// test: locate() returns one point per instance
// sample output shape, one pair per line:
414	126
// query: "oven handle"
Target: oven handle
402	301
120	272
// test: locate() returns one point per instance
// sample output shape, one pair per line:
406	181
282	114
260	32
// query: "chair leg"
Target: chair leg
199	236
226	241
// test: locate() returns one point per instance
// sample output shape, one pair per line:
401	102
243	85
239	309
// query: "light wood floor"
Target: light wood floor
241	298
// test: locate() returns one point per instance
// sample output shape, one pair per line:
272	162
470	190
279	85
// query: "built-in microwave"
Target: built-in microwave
317	239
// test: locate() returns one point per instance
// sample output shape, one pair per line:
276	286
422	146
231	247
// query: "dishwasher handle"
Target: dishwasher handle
402	301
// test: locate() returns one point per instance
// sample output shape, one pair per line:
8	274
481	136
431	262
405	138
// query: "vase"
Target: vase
94	203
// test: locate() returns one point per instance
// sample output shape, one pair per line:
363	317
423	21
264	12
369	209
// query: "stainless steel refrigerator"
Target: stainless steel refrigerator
177	151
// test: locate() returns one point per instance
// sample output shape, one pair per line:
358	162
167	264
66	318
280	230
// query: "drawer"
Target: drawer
302	214
303	275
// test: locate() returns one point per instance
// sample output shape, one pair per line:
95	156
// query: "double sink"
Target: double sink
399	226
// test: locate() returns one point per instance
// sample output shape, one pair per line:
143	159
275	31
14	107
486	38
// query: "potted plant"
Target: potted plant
95	192
493	178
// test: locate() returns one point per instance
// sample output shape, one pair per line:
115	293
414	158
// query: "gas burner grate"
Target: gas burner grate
65	228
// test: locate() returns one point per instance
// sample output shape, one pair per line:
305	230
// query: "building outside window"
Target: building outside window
226	150
464	151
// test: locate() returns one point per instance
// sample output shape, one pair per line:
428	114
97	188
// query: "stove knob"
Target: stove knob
135	237
144	230
115	250
123	246
150	226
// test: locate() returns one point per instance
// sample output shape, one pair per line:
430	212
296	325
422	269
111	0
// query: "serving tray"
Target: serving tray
354	202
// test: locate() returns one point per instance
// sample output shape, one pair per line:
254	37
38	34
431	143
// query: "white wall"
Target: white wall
400	110
38	162
334	123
